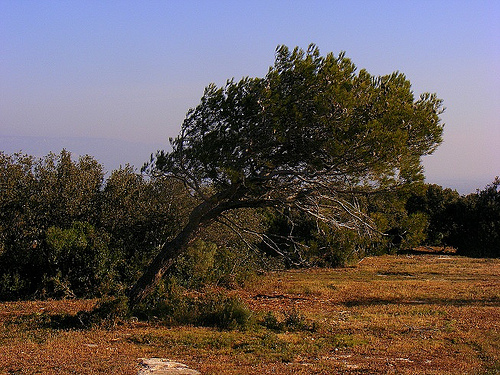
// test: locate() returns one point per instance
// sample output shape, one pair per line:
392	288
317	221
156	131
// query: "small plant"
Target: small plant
225	313
293	321
270	321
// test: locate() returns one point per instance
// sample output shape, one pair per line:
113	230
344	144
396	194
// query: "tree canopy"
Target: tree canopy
311	134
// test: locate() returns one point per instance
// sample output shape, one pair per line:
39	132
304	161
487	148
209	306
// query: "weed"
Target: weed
292	321
225	313
341	341
270	321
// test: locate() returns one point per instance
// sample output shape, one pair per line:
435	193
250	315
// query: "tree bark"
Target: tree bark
201	215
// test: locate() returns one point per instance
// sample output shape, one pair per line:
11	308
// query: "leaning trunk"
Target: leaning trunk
202	214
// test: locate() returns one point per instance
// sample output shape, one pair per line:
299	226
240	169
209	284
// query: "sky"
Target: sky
73	73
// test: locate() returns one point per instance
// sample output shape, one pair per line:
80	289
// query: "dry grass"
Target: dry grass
407	314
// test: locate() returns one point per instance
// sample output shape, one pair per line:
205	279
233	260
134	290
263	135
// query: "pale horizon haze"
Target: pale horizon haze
114	79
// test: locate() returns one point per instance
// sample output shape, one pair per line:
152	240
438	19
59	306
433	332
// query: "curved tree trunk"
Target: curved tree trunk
160	264
201	215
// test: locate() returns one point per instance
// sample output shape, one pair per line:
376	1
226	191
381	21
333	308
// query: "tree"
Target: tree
439	205
476	222
140	214
312	134
35	195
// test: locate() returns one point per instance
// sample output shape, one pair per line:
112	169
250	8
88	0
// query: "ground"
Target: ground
421	313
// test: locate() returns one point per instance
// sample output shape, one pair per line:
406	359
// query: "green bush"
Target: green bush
65	232
38	194
196	266
174	305
476	219
78	261
206	263
292	321
224	313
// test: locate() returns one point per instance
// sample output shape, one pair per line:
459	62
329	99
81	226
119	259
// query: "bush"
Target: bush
196	267
38	194
78	261
437	205
65	233
172	305
224	313
476	219
292	321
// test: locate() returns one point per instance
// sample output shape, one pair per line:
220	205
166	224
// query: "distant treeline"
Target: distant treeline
67	231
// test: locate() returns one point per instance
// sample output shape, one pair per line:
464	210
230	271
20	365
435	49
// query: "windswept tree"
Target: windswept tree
310	135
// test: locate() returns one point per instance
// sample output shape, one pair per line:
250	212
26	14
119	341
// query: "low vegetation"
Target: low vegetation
427	313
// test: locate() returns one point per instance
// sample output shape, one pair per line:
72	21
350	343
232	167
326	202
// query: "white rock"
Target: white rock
162	366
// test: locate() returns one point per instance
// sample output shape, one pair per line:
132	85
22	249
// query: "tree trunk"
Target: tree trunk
201	215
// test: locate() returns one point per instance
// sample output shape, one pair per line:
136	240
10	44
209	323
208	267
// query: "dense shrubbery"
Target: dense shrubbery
300	240
54	197
66	231
470	223
476	224
393	228
425	215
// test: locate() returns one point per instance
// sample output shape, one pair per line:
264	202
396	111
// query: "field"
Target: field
405	314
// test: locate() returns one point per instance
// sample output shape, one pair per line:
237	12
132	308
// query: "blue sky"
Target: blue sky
130	70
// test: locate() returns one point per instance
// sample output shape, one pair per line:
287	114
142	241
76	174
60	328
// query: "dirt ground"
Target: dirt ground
419	313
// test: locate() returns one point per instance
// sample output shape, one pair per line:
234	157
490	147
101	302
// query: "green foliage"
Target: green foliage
310	136
310	113
13	285
300	236
224	313
469	223
476	223
341	247
206	263
171	305
292	321
437	204
401	228
38	194
78	260
140	215
65	232
197	265
314	137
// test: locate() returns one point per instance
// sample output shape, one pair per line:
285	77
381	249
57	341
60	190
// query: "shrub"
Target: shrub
476	219
196	267
224	313
292	321
78	261
172	305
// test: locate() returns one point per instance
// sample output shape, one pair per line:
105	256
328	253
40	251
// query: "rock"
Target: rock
162	366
